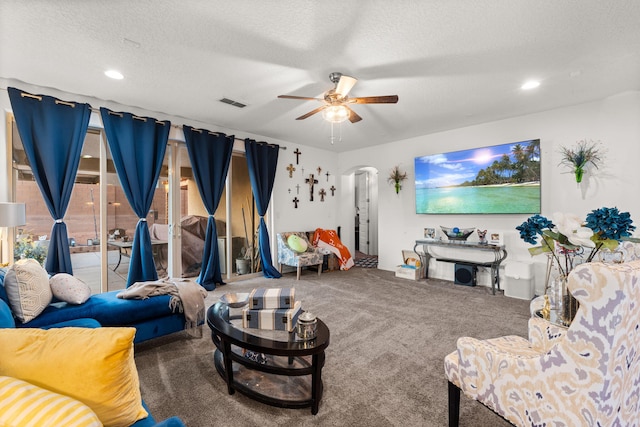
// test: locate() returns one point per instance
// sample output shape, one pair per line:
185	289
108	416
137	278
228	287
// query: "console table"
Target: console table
423	248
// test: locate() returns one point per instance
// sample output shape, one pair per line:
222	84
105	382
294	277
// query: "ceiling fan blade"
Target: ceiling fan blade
389	99
353	116
311	113
345	84
299	97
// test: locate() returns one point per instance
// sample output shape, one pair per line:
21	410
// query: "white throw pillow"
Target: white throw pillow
27	286
69	289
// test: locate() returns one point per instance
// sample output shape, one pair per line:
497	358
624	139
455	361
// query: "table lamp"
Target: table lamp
11	215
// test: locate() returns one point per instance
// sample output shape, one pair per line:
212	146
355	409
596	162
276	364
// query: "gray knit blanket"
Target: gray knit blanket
186	297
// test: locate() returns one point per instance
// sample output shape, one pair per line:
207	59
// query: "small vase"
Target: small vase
562	305
566	304
611	257
555	292
398	187
579	172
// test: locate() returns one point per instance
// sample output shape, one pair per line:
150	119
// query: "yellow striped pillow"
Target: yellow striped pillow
24	405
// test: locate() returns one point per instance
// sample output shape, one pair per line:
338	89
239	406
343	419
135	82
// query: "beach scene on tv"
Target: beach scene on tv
499	179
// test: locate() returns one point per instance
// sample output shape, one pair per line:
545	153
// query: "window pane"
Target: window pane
244	220
121	227
82	217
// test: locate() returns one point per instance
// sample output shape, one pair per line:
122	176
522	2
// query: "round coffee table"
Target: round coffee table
272	367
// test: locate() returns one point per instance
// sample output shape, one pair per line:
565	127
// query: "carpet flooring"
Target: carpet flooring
384	365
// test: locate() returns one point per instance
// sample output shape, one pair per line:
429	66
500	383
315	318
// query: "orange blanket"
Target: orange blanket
329	239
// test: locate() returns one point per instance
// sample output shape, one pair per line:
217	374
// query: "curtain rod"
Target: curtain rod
97	110
39	98
179	127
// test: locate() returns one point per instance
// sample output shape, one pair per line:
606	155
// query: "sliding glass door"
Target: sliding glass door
236	221
82	217
101	223
96	194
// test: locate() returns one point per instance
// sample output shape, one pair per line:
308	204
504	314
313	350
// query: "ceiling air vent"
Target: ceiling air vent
232	102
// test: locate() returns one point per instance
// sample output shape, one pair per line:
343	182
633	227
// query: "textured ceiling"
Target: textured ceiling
452	63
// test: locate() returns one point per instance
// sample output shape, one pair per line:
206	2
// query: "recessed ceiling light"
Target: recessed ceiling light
531	84
117	75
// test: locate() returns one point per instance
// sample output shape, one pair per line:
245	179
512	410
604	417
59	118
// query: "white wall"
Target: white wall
615	121
309	215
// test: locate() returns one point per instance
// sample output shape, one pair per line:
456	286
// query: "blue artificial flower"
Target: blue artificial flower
609	223
532	227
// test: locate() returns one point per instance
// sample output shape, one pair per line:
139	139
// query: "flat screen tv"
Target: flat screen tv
499	179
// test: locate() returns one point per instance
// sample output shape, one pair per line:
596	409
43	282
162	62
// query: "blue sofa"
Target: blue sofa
151	317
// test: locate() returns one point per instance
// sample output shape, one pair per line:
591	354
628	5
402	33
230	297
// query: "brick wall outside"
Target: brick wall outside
80	214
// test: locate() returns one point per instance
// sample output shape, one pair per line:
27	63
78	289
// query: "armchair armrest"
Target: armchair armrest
491	354
543	334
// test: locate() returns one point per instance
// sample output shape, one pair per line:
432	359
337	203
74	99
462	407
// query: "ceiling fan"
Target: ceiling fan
336	101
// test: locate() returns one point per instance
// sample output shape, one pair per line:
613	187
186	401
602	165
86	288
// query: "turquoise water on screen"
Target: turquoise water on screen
478	200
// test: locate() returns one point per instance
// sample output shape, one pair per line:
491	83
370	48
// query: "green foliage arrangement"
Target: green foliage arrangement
25	247
396	177
578	157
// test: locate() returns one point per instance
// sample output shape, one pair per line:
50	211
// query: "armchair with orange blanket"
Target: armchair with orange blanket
328	239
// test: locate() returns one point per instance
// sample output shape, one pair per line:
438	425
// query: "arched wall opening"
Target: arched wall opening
360	215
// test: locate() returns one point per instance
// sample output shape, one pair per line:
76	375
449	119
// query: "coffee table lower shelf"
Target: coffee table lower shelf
285	386
291	373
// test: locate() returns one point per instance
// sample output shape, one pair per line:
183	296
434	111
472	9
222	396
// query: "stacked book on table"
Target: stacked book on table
271	308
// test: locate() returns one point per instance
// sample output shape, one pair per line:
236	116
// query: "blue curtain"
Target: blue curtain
52	133
210	155
262	159
137	147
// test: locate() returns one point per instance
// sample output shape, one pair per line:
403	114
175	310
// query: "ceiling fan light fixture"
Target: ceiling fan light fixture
531	84
114	74
335	113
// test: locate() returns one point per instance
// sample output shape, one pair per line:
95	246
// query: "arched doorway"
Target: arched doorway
365	199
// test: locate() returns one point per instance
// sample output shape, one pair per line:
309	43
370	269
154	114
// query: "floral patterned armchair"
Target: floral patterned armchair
287	256
585	375
630	251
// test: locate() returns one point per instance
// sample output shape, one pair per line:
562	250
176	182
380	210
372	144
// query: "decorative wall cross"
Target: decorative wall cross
322	193
289	191
319	170
327	176
295	202
297	153
297	188
333	189
291	168
311	181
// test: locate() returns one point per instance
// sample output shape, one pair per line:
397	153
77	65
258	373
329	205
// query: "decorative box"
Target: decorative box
283	319
261	298
407	272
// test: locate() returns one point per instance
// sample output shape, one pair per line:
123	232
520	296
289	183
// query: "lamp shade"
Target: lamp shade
335	113
12	214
